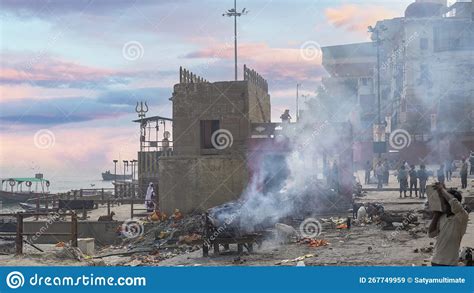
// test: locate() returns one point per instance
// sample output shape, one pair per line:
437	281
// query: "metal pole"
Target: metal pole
378	82
235	37
378	76
297	102
73	230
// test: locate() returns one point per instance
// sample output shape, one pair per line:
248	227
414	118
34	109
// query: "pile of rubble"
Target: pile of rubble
166	238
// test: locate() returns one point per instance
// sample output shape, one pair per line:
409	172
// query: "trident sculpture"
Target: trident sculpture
142	110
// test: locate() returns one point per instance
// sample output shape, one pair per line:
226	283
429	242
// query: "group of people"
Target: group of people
447	225
414	180
445	171
410	178
381	170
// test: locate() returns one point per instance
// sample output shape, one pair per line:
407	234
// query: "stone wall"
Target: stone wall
197	178
223	101
201	182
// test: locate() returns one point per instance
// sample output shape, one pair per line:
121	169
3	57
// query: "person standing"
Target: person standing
447	170
286	117
471	161
449	226
386	171
423	177
335	176
368	168
403	180
440	174
379	174
463	174
413	181
150	197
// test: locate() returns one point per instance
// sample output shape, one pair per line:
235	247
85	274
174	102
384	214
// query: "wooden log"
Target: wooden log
73	230
19	234
205	250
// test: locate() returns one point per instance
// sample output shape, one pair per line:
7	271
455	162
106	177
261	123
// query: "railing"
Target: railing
20	233
126	194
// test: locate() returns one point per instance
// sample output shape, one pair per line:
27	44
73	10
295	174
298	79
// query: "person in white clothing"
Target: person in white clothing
149	198
449	227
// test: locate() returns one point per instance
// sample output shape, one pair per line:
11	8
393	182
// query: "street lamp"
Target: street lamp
125	165
298	85
378	41
115	170
133	162
233	13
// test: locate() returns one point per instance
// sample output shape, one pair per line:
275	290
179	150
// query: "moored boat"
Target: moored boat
15	190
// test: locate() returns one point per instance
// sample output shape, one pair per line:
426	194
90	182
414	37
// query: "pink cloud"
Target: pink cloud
89	150
357	18
276	63
46	71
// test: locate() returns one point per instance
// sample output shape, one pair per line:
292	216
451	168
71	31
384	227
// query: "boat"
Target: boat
15	190
31	207
108	176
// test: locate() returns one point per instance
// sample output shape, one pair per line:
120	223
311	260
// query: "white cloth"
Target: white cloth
450	233
149	194
362	214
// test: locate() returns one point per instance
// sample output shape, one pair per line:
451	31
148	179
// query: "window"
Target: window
424	44
208	127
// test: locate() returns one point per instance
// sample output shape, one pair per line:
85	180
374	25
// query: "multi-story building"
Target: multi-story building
426	79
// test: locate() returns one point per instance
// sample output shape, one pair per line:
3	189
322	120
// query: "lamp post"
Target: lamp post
125	165
233	13
378	41
115	177
115	170
298	85
133	163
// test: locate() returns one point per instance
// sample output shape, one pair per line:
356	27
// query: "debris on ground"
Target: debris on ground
177	215
427	249
314	242
165	238
69	252
301	258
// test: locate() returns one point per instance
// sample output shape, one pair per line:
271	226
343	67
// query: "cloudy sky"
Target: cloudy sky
72	70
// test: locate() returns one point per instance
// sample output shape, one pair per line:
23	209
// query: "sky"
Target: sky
72	70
